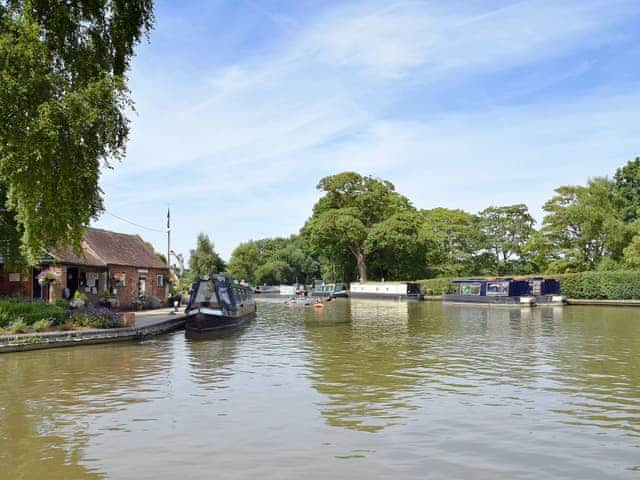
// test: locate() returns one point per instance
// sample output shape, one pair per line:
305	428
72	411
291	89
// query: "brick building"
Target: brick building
119	263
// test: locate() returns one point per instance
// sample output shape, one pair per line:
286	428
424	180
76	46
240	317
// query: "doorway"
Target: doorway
37	288
72	280
142	286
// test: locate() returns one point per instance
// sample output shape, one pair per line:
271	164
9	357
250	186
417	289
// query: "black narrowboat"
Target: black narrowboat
219	302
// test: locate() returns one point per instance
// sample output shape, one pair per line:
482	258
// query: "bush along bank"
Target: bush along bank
618	285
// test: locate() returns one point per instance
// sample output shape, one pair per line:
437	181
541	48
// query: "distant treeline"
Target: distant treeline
361	228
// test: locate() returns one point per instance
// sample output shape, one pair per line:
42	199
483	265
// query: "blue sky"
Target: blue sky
242	106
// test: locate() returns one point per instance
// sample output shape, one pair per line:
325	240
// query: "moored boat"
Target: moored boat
218	302
546	291
505	291
386	290
336	290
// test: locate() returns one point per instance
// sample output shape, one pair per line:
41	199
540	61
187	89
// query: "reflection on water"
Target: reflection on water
49	397
362	360
358	389
211	355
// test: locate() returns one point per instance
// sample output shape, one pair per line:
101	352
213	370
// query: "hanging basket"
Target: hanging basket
48	277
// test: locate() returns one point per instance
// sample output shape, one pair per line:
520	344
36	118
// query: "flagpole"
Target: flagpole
168	238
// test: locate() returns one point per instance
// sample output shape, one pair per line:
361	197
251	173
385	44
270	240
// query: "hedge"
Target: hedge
434	286
621	285
29	311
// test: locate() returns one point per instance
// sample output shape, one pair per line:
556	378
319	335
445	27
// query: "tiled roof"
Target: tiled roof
102	248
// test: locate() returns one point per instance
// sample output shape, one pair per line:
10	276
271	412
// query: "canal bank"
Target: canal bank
150	323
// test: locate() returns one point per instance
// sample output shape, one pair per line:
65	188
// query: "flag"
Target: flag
168	218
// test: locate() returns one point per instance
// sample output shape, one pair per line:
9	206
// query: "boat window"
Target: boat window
470	289
206	292
224	295
498	288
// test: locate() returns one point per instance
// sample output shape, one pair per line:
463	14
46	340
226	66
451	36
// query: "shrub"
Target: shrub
98	317
67	325
29	311
151	302
62	303
41	325
19	326
434	286
620	285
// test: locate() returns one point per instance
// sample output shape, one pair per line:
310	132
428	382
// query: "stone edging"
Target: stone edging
35	341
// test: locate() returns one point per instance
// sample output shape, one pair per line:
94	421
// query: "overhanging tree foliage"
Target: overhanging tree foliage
63	98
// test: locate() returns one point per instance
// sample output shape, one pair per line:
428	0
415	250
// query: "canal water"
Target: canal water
359	389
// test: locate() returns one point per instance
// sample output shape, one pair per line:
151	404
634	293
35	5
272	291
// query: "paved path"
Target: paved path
151	317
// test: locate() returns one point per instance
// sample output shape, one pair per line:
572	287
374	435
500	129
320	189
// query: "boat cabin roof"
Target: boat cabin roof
482	280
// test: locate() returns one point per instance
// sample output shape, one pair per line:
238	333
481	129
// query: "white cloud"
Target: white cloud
238	149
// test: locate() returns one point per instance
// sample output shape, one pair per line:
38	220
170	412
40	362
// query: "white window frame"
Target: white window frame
160	279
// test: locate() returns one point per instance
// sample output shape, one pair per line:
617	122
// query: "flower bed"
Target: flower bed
20	316
98	317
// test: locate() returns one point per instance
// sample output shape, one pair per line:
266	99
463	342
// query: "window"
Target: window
119	280
160	280
498	289
471	289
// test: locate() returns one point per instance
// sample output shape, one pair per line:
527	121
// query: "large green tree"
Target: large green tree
396	247
507	229
455	243
627	182
204	260
584	225
351	206
274	260
273	272
63	99
244	261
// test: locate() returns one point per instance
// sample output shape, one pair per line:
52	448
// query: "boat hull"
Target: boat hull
386	296
551	300
489	300
208	320
339	294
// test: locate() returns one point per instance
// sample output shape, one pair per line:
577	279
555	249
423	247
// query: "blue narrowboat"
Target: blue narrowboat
505	291
546	291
